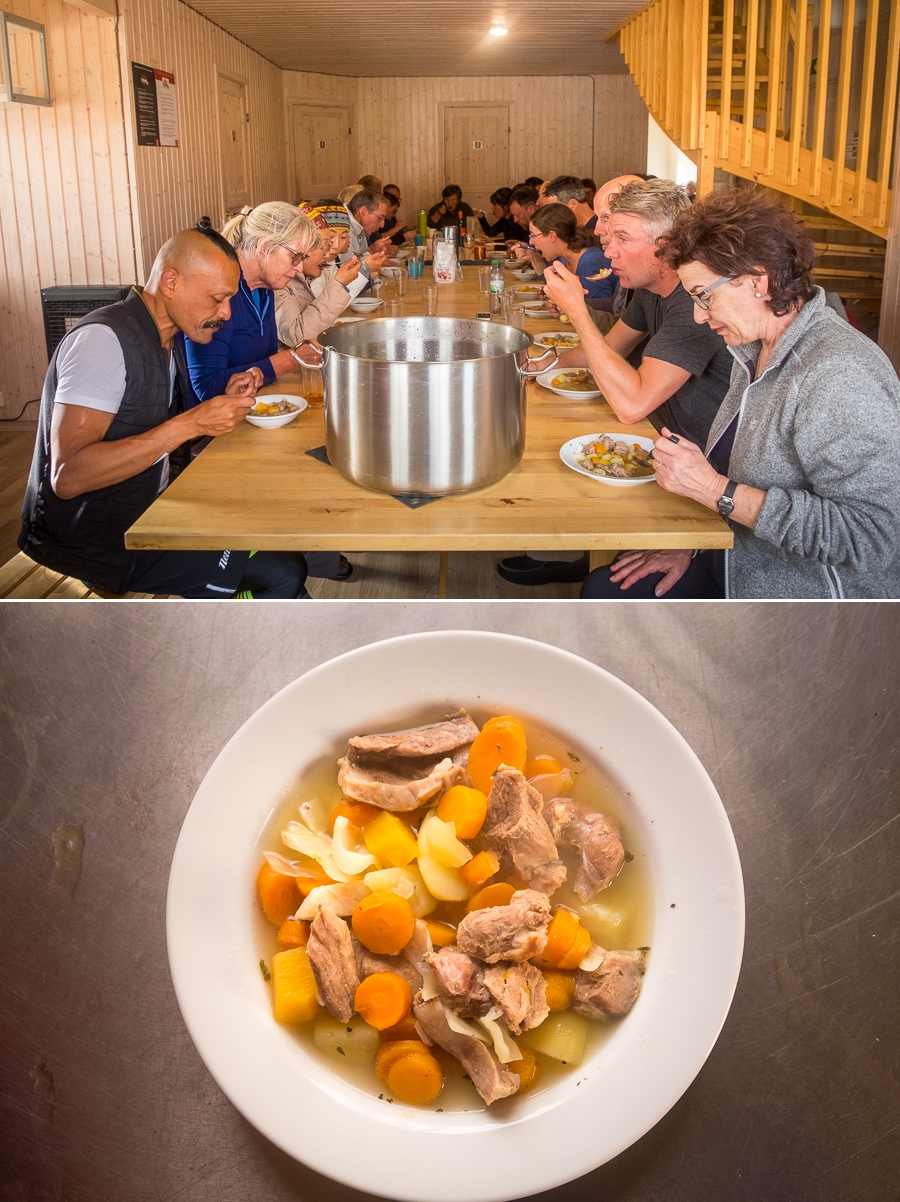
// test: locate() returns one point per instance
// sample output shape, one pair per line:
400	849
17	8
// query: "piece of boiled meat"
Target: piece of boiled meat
515	932
398	784
368	963
515	825
612	988
595	836
455	730
521	993
461	982
330	951
488	1075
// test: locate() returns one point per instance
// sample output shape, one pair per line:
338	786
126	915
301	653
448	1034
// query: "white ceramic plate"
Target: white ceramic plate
541	340
547	377
549	1136
281	419
567	455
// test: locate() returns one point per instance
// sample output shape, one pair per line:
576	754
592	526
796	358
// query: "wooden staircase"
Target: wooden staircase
776	92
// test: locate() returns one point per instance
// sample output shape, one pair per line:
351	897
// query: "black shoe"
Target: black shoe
346	570
523	570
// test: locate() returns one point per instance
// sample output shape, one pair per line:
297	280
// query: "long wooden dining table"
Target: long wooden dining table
258	489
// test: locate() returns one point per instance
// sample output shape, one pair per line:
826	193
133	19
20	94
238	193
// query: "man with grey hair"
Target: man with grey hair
685	367
367	210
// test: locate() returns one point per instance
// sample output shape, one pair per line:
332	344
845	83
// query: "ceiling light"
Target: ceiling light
498	31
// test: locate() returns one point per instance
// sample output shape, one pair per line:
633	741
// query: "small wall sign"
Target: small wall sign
477	145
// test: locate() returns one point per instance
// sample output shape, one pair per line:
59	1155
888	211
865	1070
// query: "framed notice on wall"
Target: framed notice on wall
155	106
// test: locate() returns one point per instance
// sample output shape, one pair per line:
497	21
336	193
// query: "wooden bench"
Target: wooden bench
21	578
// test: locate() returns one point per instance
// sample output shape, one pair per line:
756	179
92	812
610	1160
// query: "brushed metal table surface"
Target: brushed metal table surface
110	716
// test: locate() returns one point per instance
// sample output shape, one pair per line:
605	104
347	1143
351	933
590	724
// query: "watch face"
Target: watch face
725	506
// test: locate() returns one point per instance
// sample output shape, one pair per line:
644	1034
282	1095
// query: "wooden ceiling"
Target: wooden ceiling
411	37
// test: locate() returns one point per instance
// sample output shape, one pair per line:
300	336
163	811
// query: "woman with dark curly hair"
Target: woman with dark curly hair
802	456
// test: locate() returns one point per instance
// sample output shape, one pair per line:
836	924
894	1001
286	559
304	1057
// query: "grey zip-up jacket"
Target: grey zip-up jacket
819	430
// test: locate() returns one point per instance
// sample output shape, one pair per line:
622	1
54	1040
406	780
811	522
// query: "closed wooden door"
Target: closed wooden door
233	144
476	151
321	151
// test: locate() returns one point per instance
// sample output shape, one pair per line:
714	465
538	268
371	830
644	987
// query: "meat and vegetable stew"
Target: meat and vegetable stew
456	915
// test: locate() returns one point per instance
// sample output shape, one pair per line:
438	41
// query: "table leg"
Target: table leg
599	559
442	575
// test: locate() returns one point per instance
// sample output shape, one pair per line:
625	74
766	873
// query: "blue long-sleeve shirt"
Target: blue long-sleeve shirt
591	262
248	339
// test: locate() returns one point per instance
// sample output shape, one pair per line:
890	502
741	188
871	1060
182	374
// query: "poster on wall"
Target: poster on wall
155	106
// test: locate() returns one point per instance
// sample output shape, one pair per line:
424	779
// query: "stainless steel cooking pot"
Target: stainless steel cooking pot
425	404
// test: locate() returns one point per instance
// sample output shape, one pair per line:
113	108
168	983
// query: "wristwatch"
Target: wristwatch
725	503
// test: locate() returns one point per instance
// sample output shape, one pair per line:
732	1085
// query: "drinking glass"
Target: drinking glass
312	387
400	280
516	316
431	300
392	308
484	280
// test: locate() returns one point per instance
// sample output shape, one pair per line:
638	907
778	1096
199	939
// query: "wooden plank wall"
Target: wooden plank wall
175	186
64	199
398	128
620	127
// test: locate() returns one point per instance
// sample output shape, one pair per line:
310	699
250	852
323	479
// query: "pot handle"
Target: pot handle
527	371
300	359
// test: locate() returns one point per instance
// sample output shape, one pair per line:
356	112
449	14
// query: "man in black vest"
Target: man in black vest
114	424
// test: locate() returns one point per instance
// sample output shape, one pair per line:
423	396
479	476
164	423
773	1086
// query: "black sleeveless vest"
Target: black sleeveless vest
84	536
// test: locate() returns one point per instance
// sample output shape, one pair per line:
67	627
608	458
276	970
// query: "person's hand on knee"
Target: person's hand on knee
632	566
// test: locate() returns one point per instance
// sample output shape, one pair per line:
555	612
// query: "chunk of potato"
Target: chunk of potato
560	1036
390	840
407	882
604	922
438	840
294	987
442	882
353	1039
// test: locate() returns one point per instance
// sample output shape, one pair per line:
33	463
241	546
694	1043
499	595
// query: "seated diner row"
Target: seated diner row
117	422
656	362
802	455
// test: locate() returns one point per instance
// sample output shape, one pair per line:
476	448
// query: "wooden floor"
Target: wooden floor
401	575
15	460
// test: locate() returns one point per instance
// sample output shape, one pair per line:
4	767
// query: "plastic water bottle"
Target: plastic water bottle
497	284
423	223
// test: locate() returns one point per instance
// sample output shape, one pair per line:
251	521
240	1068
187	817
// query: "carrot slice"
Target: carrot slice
417	1079
278	894
442	935
356	812
292	933
480	868
542	765
560	988
561	933
466	808
527	1068
492	895
390	840
578	950
404	1029
384	923
389	1053
382	999
501	741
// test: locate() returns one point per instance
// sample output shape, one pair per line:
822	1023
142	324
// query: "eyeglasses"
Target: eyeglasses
701	300
296	256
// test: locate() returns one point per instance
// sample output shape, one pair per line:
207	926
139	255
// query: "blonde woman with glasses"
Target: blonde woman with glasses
272	243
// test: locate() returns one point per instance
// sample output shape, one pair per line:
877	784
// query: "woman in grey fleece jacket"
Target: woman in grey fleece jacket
806	443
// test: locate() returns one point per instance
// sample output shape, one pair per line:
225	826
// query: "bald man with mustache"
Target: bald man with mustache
117	420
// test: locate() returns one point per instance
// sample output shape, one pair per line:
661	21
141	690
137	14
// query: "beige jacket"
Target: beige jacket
299	314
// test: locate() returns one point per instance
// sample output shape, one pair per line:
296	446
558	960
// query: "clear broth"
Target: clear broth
630	896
